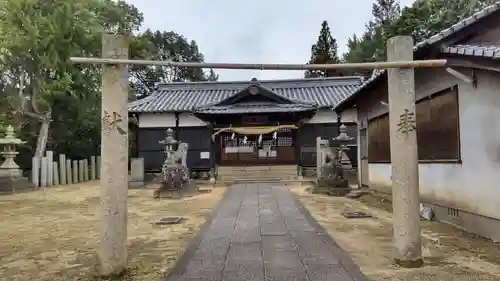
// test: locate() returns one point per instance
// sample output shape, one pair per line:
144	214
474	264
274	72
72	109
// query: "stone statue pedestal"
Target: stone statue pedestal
14	184
331	181
11	178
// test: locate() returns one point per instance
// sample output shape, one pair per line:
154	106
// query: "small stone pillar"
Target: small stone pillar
69	178
62	168
81	171
321	152
85	169
75	171
136	173
35	171
55	172
93	167
43	172
50	168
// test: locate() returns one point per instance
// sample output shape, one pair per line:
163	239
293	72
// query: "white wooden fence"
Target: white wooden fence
48	172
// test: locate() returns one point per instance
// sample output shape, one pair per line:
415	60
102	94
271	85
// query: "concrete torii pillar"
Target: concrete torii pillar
112	254
404	155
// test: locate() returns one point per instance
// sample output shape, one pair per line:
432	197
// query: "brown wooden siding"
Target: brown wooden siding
438	133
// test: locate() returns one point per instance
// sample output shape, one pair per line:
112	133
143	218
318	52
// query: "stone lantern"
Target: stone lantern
170	144
11	177
343	139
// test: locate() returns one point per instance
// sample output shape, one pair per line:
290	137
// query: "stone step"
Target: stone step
260	173
258	168
261	180
270	175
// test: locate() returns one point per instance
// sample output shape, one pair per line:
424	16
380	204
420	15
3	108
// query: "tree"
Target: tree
36	40
324	52
212	76
385	11
421	20
162	45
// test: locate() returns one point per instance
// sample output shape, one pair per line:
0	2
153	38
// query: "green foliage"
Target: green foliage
324	52
421	20
37	38
158	45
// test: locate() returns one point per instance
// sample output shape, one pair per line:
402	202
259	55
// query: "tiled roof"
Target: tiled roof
325	92
433	40
254	107
477	50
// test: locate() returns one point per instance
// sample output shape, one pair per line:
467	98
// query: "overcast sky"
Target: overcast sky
258	31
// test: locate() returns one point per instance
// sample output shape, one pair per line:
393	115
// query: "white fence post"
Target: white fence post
93	174
56	173
80	171
75	171
62	168
50	173
44	172
35	171
68	171
85	169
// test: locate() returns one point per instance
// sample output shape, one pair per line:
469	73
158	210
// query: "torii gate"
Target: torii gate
112	254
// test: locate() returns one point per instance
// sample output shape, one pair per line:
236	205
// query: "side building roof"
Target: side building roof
187	97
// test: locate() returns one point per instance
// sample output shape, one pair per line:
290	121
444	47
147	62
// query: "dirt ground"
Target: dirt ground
52	234
449	253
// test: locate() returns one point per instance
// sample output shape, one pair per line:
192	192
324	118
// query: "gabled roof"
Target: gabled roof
181	97
254	89
255	99
435	39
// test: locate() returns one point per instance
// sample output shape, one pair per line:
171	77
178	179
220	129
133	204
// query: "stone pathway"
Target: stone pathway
259	232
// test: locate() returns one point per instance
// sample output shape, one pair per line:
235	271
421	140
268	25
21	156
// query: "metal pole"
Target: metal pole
364	65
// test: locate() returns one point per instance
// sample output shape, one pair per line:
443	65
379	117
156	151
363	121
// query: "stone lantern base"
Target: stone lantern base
12	180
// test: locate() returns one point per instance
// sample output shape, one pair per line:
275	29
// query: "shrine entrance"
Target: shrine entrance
254	148
256	126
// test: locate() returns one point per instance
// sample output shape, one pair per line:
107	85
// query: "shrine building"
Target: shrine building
247	123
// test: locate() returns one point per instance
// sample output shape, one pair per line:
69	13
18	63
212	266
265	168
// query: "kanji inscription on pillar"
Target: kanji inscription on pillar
407	122
111	122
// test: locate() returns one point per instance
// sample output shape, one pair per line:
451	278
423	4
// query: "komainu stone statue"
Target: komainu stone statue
175	174
331	180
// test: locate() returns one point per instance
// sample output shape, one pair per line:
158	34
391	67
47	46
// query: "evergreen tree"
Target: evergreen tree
324	52
421	20
385	11
212	76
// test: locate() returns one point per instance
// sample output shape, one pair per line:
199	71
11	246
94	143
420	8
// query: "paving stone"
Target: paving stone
260	233
245	252
196	270
299	226
285	259
281	274
273	228
274	242
213	246
244	274
328	273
